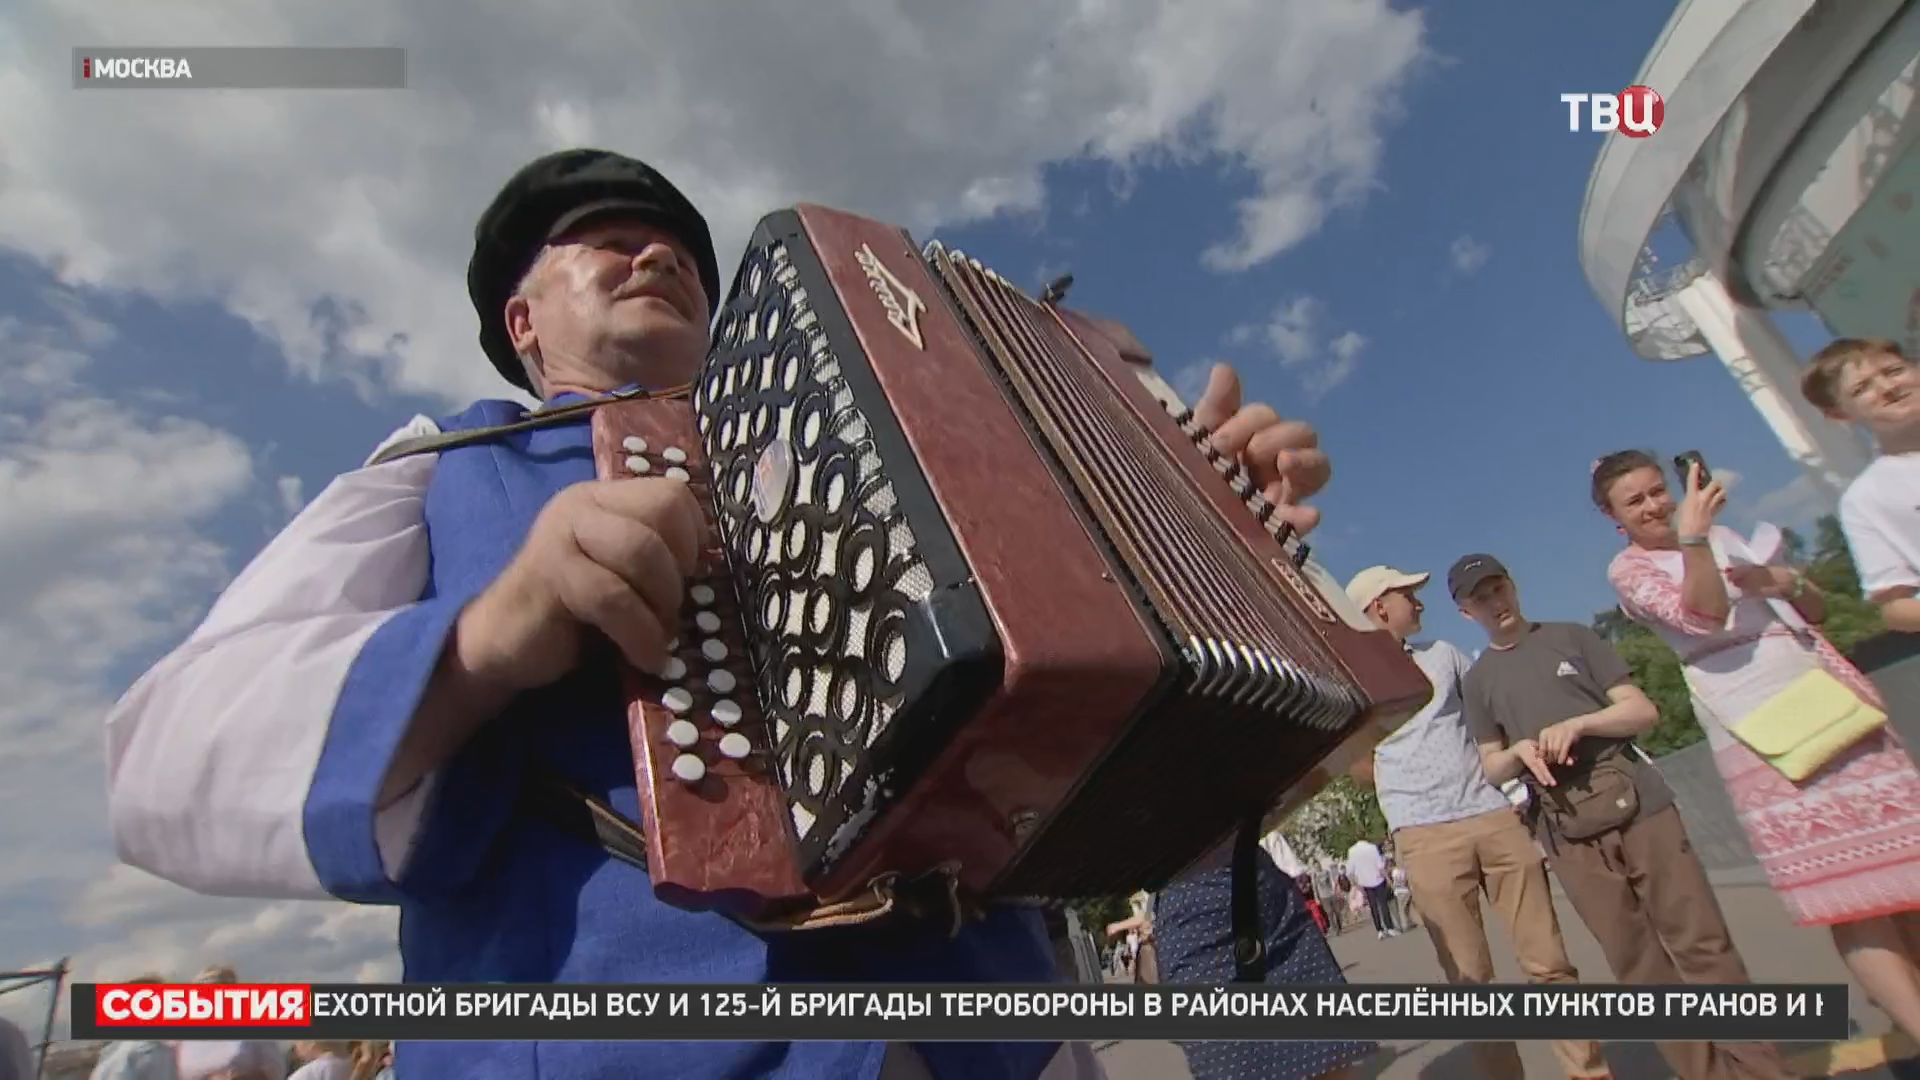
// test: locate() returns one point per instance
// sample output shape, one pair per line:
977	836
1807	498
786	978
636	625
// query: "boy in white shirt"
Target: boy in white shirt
1871	382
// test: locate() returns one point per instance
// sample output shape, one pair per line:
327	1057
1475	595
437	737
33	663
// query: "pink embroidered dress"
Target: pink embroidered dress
1844	844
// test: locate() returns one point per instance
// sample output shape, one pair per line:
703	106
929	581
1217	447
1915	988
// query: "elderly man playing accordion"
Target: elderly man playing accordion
355	717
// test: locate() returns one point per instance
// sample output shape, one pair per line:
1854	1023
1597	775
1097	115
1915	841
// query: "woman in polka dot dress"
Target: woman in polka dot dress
1193	933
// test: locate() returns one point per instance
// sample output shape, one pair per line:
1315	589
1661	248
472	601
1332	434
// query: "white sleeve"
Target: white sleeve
211	754
1876	554
1454	666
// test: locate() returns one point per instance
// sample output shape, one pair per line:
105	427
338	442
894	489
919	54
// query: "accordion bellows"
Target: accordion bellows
999	609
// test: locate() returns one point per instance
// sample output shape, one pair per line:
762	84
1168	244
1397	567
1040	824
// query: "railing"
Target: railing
11	981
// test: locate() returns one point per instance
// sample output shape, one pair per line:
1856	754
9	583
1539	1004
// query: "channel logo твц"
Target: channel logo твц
1635	112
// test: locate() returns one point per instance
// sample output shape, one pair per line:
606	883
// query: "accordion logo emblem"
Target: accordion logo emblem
903	304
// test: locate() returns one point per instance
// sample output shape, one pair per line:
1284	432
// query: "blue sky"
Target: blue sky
1476	403
1480	399
212	304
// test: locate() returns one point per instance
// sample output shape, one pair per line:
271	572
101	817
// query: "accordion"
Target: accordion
978	598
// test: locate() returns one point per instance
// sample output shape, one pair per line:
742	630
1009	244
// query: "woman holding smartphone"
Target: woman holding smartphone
1841	844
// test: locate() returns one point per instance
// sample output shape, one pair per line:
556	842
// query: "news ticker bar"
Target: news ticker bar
240	68
948	1013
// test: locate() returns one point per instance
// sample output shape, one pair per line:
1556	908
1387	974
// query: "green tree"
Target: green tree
1099	912
1851	619
1656	671
1341	814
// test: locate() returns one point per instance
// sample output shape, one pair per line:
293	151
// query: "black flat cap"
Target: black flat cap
557	193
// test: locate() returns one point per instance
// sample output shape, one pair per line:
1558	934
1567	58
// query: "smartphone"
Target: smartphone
1681	462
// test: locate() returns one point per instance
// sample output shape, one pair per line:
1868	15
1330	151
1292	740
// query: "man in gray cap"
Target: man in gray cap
360	713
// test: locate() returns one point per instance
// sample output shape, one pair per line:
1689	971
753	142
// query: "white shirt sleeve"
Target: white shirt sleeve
1877	554
211	754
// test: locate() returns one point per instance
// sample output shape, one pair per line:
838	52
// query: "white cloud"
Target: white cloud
1468	254
1291	330
1344	358
1190	382
339	222
292	495
1794	505
108	561
1295	333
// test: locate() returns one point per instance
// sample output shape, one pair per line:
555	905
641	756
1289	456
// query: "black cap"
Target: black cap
1470	571
557	193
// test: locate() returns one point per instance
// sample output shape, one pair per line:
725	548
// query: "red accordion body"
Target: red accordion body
982	599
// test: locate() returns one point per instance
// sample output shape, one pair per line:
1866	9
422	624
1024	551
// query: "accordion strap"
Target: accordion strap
1249	943
537	418
935	895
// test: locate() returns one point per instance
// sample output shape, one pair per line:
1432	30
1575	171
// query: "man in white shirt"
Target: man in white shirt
251	1059
137	1059
1455	834
1873	383
1368	869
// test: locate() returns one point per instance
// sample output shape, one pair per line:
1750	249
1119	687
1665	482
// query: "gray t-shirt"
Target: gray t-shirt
1557	672
1428	772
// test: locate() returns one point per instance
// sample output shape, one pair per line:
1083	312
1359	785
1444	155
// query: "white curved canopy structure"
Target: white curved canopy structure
1745	82
1782	118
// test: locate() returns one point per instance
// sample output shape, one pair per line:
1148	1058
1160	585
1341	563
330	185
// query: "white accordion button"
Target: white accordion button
680	474
702	594
677	699
638	465
674	455
726	713
721	681
714	649
735	745
682	733
634	444
689	769
674	669
707	621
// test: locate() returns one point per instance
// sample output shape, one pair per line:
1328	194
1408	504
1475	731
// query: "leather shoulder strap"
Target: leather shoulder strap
539	418
1249	943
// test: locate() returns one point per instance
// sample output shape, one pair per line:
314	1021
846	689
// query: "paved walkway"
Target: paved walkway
1775	951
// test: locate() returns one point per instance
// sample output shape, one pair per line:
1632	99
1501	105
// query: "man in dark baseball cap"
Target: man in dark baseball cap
1555	703
1468	573
608	210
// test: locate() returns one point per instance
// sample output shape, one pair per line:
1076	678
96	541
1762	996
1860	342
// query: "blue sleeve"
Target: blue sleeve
473	794
383	689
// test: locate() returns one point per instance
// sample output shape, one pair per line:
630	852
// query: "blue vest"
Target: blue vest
491	895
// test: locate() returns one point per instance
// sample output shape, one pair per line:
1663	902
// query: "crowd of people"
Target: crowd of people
422	644
1825	789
